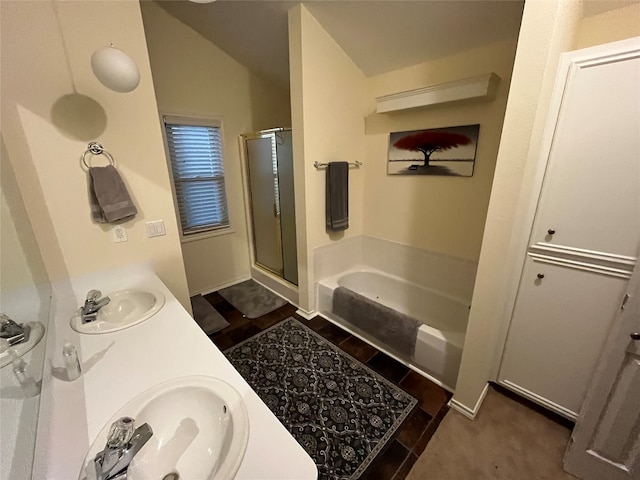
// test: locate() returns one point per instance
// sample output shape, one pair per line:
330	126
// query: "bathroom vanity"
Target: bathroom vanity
120	365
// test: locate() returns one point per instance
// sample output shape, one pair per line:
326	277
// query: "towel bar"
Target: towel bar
96	148
351	164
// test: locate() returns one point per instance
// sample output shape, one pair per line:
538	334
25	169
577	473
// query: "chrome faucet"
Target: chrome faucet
123	443
13	332
92	305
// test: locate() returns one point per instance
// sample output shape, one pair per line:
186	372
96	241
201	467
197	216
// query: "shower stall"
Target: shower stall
269	167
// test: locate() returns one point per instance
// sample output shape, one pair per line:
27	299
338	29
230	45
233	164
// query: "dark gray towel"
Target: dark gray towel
110	200
337	198
395	329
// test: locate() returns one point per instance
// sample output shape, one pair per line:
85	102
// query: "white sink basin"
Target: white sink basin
200	431
126	309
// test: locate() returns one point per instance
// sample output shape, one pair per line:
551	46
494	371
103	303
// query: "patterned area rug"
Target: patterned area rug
341	412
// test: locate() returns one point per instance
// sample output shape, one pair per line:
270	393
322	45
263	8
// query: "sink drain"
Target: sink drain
171	476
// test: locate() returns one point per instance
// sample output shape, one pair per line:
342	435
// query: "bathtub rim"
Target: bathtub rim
332	282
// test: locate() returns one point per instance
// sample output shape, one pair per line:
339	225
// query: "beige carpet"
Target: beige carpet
507	440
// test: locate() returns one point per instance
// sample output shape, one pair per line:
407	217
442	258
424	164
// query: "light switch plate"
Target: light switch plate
155	228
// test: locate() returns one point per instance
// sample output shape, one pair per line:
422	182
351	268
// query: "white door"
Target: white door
585	231
605	444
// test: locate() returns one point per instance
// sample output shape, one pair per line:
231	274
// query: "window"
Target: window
195	152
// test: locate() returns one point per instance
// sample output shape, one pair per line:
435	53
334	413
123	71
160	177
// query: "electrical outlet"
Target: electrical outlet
119	234
155	229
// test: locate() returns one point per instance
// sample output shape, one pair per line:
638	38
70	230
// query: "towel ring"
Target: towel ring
96	148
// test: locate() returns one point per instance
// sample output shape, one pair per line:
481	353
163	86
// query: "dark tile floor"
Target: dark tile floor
395	462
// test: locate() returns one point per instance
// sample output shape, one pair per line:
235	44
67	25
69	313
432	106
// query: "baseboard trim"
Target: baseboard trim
305	314
466	411
534	397
207	291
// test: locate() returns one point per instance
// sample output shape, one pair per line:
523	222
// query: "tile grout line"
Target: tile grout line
395	474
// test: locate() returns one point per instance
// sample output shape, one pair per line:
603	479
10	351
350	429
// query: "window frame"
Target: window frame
216	122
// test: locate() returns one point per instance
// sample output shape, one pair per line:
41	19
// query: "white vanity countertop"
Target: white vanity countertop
120	365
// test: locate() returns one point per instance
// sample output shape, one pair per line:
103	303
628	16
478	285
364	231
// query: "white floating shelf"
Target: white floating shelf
482	86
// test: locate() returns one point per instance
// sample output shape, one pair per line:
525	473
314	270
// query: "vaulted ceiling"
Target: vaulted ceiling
379	36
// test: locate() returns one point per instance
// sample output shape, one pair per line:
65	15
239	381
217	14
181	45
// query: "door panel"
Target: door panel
606	441
620	419
264	208
591	191
556	333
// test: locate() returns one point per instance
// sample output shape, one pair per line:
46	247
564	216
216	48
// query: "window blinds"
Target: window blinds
198	175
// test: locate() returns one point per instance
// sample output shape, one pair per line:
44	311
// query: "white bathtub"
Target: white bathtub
444	317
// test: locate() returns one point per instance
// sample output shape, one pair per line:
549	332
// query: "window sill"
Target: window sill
205	235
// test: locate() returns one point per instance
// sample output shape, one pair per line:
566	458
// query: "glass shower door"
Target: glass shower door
265	205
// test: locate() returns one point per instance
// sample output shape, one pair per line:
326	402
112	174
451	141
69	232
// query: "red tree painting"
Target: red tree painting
429	142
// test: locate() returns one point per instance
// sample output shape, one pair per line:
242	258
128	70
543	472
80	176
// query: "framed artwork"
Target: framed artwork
436	151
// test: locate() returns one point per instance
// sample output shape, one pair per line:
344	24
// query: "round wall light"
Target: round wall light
115	69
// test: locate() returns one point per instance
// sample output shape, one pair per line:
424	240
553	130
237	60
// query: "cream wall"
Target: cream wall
24	284
270	104
329	98
441	214
609	26
52	106
193	77
540	45
15	273
20	261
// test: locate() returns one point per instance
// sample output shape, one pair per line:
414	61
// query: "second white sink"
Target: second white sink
126	309
200	431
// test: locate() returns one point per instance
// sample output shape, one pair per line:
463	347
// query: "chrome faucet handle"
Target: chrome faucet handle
92	305
93	296
123	443
10	327
14	332
120	432
6	323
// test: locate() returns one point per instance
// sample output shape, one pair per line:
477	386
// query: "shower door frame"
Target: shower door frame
249	202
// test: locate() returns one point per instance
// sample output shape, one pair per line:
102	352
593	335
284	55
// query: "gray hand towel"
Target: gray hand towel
337	197
110	200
